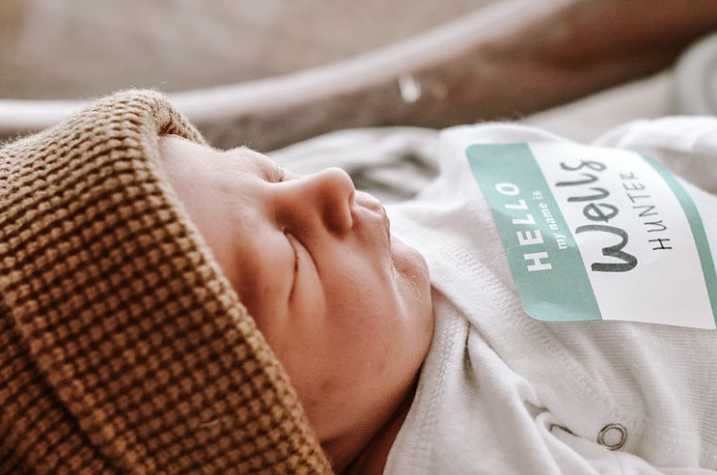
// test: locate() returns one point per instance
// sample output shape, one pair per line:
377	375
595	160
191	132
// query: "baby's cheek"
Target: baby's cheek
312	400
327	402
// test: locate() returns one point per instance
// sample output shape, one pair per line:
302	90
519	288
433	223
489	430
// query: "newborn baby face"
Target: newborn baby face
344	305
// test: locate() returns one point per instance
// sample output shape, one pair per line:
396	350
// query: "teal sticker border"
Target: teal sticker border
563	293
698	229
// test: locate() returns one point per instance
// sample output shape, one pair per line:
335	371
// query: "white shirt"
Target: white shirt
500	392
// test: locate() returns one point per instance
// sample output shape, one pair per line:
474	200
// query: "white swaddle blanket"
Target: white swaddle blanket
501	392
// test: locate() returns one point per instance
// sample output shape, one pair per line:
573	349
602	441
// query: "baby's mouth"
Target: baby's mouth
387	223
375	206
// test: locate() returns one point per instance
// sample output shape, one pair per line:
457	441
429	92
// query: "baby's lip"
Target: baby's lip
371	203
387	223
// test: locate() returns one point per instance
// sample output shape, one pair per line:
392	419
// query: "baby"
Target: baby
125	241
345	305
348	309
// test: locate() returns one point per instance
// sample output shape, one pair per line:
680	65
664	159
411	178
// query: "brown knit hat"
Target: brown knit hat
123	348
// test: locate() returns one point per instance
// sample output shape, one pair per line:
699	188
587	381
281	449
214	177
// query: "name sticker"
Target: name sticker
598	234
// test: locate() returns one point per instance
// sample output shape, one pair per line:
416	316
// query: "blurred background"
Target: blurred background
275	72
58	49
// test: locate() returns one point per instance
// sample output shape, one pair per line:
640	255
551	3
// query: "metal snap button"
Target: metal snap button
613	436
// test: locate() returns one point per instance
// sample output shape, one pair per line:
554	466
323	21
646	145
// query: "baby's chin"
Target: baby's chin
409	261
412	267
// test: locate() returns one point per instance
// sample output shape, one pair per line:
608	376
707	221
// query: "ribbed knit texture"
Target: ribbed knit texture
123	349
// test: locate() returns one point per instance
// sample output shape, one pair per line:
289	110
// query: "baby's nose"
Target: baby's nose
328	196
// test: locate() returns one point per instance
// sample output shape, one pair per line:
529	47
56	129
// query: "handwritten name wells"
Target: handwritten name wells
598	211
